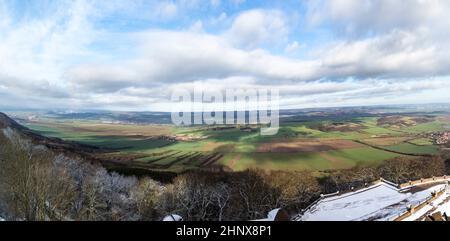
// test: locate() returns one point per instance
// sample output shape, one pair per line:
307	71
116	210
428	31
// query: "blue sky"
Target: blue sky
130	55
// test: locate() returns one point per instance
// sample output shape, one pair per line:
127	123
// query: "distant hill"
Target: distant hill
50	142
5	122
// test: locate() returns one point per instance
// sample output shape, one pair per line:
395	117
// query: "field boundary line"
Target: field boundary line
392	151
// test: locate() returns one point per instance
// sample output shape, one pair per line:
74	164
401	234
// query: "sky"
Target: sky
132	54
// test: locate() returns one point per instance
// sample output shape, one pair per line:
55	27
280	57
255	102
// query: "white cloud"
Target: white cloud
363	17
197	26
219	20
51	60
254	28
197	55
292	47
5	18
165	10
38	50
397	54
172	56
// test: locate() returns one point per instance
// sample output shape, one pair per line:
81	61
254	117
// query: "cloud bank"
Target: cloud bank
130	55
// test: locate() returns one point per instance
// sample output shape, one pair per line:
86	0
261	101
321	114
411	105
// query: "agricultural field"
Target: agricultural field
421	142
413	149
302	143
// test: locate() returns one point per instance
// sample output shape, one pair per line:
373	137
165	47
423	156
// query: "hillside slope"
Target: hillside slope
51	143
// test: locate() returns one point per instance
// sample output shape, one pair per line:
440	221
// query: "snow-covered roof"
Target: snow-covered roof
440	204
382	201
271	216
445	206
173	217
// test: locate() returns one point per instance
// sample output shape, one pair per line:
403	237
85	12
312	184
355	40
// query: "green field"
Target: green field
297	146
414	149
339	159
422	142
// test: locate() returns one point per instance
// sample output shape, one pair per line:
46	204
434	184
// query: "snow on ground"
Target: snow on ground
378	202
1	219
441	204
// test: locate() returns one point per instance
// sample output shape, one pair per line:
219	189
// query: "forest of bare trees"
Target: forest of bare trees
38	184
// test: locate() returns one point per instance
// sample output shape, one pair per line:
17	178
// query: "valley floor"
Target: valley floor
315	145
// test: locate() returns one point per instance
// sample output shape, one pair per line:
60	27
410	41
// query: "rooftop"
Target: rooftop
381	201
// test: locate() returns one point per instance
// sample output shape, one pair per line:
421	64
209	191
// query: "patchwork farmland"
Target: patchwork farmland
302	143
